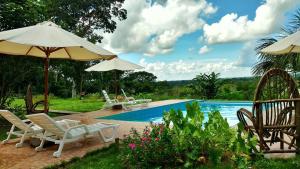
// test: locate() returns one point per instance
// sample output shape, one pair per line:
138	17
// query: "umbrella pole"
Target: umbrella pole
116	85
46	69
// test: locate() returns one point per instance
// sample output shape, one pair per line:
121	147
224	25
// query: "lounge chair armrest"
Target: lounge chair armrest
41	102
26	120
75	127
248	114
242	113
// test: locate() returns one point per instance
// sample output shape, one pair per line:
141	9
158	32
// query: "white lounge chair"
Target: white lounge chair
114	102
132	99
58	134
26	128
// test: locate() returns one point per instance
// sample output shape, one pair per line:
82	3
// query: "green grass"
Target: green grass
69	104
290	163
106	158
3	131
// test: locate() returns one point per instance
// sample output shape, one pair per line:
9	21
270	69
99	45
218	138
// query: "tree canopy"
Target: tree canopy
84	18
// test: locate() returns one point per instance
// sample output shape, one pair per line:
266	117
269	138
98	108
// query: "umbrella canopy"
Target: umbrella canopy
290	44
114	64
47	40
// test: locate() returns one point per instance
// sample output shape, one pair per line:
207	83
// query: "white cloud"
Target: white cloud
186	70
154	29
204	49
232	27
247	56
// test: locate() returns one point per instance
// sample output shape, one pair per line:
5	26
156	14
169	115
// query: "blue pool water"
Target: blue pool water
154	114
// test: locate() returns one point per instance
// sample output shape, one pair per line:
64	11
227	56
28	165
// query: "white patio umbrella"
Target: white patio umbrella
47	40
114	64
289	44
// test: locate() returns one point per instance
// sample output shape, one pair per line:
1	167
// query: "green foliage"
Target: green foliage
153	148
70	15
74	16
186	141
289	163
241	147
206	85
139	82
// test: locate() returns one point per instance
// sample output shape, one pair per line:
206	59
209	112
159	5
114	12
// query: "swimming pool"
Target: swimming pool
154	114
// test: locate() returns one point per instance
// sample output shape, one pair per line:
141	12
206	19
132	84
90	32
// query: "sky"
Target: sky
178	39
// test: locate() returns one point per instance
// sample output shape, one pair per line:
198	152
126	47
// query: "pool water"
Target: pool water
227	109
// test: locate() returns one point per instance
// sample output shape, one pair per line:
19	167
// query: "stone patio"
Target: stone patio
27	158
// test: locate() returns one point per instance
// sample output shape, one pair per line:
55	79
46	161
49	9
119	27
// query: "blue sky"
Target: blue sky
178	39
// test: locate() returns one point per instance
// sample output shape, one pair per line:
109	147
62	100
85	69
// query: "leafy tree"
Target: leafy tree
17	71
84	18
139	82
206	85
287	61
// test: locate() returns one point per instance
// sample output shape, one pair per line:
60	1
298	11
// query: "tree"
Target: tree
17	71
139	82
206	85
287	61
84	18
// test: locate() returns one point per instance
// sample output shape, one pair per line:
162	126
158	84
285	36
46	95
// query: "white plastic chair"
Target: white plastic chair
110	103
132	99
25	130
54	132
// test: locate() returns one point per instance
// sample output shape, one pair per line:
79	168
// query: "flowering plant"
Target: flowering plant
153	147
186	140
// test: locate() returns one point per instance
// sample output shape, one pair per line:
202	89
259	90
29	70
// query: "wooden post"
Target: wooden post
116	83
46	69
297	122
258	108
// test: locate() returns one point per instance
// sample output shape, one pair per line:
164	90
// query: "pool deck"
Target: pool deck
27	158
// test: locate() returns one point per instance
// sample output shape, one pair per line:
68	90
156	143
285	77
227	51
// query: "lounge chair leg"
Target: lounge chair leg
60	148
40	147
108	139
9	134
20	144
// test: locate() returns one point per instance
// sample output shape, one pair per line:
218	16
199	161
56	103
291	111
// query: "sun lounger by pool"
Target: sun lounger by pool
58	134
110	103
132	99
26	128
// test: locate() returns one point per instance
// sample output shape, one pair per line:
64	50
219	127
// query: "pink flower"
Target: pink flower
156	139
131	146
146	132
144	139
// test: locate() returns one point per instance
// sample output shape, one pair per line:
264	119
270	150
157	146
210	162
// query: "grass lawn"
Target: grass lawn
108	158
3	131
69	104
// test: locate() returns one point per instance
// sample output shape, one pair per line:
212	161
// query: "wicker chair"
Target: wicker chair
30	106
275	115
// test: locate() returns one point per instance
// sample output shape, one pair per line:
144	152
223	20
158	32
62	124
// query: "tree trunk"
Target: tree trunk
73	89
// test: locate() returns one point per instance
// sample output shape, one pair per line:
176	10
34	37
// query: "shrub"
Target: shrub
150	149
189	142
